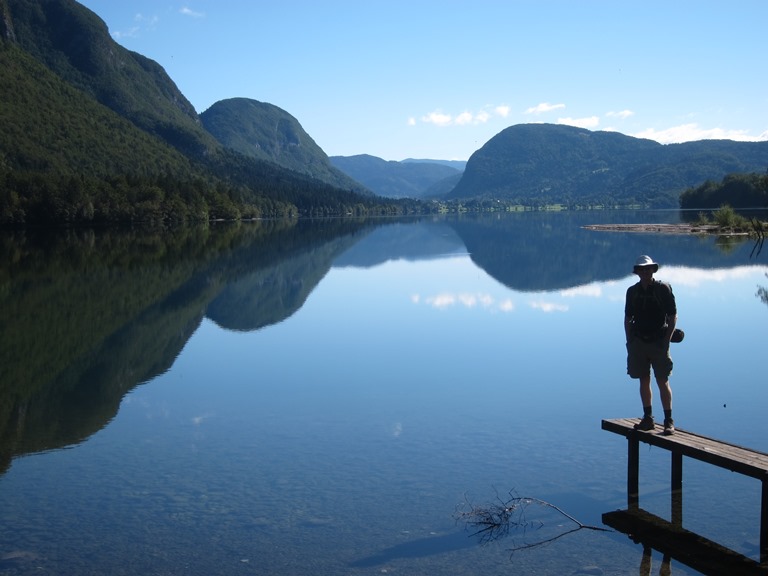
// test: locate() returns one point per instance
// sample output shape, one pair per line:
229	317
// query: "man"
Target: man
650	316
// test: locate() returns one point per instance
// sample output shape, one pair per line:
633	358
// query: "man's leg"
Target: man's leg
665	391
662	368
646	394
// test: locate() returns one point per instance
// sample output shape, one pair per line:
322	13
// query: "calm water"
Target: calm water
323	398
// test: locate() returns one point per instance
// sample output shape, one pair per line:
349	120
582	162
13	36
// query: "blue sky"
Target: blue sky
428	79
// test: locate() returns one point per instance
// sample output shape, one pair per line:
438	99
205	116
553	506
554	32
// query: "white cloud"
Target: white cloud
189	12
544	107
437	118
482	117
588	122
624	114
466	118
690	132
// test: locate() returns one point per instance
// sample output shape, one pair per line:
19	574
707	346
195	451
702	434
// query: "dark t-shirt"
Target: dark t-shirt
648	309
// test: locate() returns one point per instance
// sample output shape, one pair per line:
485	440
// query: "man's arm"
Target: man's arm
628	315
671	323
671	315
628	327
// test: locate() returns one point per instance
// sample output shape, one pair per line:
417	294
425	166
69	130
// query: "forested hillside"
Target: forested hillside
93	133
75	44
538	164
266	132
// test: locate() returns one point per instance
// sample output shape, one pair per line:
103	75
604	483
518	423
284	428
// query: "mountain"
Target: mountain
457	164
93	133
546	163
392	179
266	132
74	43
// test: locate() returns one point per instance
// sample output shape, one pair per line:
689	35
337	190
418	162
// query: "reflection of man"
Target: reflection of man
650	315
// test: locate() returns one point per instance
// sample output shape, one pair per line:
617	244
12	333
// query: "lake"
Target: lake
328	397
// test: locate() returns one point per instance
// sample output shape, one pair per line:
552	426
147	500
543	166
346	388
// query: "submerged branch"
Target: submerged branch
497	520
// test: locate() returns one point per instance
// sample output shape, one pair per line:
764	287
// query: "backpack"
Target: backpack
655	298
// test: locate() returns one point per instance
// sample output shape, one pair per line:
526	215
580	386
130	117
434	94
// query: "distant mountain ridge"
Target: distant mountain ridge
392	179
457	164
550	163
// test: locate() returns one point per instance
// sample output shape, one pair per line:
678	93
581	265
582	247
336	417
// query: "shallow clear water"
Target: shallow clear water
427	366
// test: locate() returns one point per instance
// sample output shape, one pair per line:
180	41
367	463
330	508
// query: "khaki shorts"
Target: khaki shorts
642	356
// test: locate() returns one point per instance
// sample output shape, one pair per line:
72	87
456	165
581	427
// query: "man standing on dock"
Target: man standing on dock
650	316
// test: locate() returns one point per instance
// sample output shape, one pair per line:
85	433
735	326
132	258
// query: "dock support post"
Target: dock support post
633	471
677	488
764	523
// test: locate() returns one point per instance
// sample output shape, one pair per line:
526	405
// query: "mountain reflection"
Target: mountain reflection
545	251
87	316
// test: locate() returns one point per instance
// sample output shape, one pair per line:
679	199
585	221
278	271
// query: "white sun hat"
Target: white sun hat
643	261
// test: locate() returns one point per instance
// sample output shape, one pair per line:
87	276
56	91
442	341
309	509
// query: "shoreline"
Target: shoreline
665	229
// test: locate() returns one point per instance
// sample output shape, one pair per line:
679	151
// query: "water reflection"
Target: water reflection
87	316
674	542
297	405
541	252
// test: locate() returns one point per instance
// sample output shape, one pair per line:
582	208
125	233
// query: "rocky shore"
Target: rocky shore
666	229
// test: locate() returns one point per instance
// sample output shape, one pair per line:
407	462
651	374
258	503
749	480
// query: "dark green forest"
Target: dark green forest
67	157
736	190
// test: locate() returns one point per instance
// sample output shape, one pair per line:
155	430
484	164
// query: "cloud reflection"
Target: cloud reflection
591	290
613	290
695	277
482	300
548	306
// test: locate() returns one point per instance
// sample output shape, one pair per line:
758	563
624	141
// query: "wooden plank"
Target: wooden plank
687	547
723	454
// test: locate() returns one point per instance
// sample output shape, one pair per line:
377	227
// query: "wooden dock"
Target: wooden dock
687	444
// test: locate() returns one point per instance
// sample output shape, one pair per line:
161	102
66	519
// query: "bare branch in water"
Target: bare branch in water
497	520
